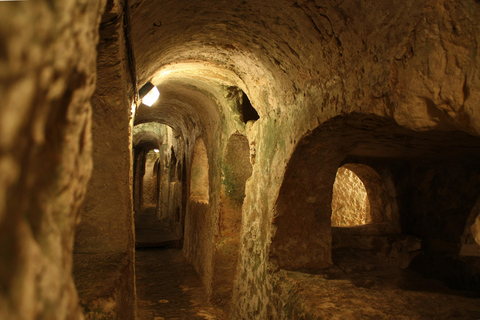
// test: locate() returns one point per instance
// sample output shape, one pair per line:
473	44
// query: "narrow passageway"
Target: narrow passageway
152	233
168	288
167	285
239	159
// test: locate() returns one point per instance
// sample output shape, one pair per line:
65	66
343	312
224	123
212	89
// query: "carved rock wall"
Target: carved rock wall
47	76
301	63
104	240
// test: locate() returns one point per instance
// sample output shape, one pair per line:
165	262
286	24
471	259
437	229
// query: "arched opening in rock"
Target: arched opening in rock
247	111
350	204
361	198
199	179
411	231
236	170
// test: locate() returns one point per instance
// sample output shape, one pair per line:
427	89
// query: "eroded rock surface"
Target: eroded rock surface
391	85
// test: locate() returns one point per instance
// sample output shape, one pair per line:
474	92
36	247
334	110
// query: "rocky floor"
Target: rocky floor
168	288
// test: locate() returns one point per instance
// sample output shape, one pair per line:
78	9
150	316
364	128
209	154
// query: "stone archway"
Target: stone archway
360	197
350	203
302	221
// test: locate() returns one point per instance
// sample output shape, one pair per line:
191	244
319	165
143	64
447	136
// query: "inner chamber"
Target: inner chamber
367	185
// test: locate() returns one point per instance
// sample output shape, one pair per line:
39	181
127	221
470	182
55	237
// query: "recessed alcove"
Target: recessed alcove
350	199
422	184
199	181
247	111
236	169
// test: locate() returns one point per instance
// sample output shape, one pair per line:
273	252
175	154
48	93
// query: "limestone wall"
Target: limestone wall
302	63
47	76
104	239
328	79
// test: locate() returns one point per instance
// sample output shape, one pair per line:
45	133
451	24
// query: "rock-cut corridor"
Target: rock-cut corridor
299	159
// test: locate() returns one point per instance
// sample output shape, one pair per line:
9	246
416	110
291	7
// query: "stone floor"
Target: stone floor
168	288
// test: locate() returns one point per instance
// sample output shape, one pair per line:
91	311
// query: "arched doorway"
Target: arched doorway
428	187
199	179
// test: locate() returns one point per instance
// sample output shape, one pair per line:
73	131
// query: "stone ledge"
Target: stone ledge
103	282
380	294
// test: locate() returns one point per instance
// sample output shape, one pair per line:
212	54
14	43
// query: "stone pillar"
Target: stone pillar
104	242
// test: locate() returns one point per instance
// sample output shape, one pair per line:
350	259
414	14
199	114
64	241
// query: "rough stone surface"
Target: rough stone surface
368	290
392	85
47	76
236	170
302	63
106	227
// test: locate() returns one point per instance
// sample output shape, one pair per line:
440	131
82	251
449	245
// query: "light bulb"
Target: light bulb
152	96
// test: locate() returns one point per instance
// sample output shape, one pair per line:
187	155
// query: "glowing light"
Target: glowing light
149	94
156	150
133	107
151	97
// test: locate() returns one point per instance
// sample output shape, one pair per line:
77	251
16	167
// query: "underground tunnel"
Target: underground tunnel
304	159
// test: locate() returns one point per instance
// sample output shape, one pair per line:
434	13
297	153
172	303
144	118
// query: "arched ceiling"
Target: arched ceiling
322	58
146	140
192	50
182	106
220	38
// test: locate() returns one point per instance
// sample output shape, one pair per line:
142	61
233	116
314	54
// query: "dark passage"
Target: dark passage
152	233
